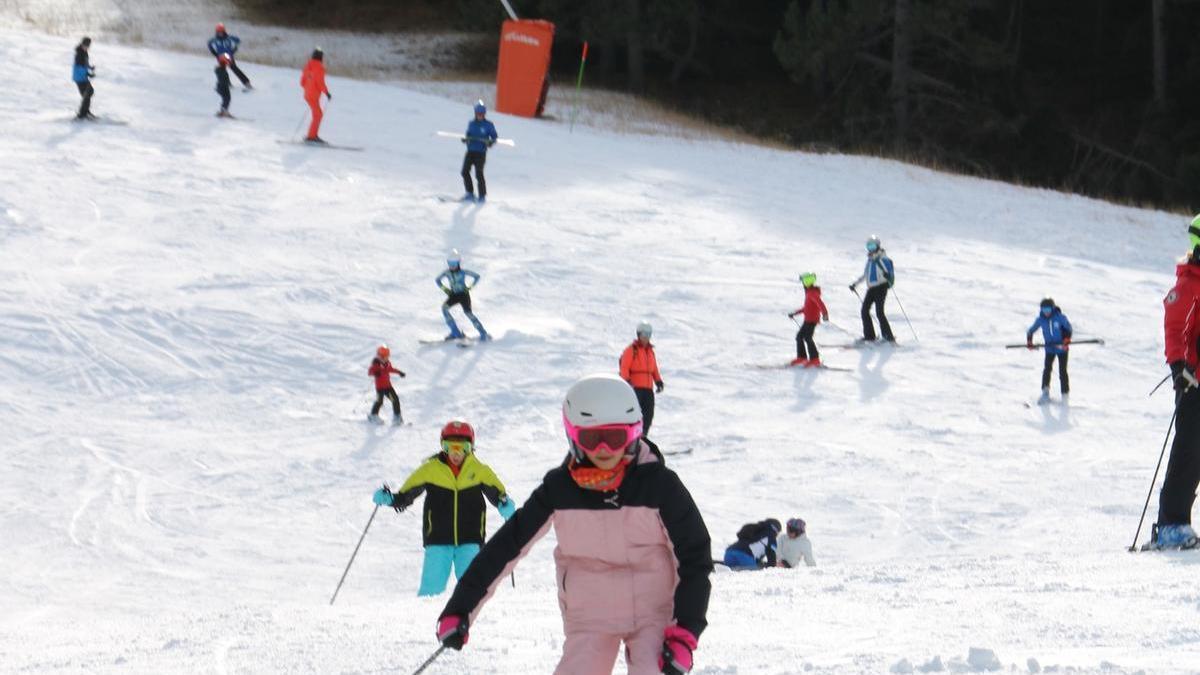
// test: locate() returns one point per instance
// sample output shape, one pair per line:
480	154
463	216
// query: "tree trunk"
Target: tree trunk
901	69
1160	54
635	57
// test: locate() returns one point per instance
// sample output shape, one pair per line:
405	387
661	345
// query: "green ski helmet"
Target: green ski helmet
809	279
1194	231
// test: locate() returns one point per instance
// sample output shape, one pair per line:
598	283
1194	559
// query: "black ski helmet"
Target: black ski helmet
319	54
1048	302
774	525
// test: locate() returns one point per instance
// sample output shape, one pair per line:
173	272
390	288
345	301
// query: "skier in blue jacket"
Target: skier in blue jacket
1056	333
224	43
82	74
481	135
879	275
457	282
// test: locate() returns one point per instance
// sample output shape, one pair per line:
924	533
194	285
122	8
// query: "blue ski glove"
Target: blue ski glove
382	497
507	507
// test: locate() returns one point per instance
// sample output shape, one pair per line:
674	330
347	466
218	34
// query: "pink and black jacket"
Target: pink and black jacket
626	559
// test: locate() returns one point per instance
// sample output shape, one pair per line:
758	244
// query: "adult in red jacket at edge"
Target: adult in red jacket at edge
313	81
1181	330
639	368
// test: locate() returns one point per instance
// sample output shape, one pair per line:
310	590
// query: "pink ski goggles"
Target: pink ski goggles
615	437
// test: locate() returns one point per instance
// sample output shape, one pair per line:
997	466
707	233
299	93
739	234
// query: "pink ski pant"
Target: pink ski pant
586	653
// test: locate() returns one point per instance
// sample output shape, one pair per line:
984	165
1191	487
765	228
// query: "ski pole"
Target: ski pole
910	326
352	555
1160	383
429	660
1133	546
854	290
1088	341
513	576
296	131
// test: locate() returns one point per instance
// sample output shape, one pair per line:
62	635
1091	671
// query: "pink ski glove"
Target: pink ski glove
452	631
678	645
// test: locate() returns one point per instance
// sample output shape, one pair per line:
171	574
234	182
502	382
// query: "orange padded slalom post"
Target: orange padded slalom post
524	63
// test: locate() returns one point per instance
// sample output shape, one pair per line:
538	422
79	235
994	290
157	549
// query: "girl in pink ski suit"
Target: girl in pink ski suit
633	555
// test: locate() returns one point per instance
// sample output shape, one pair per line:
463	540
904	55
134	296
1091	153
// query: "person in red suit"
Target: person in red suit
639	367
313	81
1181	330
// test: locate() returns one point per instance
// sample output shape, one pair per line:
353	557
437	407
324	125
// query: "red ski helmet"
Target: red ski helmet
220	28
383	352
458	429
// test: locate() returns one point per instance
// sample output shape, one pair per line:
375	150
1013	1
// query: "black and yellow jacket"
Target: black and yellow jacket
454	512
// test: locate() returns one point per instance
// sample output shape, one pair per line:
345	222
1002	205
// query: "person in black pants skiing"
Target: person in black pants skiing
879	275
82	74
1182	335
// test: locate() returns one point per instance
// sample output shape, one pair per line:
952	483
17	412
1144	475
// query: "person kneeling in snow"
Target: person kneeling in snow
795	546
455	484
633	555
755	546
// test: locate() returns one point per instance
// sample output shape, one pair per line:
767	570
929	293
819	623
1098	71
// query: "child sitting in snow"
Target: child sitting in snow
755	546
795	546
633	554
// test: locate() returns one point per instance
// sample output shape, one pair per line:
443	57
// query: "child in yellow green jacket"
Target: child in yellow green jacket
454	519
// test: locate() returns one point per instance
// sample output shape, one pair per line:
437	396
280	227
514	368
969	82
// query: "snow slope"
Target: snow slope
188	307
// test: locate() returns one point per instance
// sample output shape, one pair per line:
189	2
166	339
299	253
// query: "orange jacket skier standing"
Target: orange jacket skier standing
313	81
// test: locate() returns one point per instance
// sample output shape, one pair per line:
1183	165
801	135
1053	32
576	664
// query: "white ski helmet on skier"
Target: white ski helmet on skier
601	409
873	244
644	328
454	259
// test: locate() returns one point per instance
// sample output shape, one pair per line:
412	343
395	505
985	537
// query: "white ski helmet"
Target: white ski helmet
599	400
644	328
873	244
454	259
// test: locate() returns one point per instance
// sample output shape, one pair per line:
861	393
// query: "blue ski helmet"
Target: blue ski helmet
480	108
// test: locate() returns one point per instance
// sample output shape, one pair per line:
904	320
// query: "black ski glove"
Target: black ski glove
1184	377
658	386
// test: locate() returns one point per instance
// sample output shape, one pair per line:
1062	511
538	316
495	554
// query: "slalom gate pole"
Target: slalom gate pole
353	555
910	326
1133	546
429	660
578	84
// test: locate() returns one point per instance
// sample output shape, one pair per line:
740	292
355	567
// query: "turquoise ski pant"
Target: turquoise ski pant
438	561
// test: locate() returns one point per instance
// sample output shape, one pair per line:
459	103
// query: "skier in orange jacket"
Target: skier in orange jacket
313	81
639	368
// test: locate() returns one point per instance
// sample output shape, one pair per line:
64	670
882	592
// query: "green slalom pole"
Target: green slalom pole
578	85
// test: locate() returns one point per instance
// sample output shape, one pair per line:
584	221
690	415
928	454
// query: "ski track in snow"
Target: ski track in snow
188	309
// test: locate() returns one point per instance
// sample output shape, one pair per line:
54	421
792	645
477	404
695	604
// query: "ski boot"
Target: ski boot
374	419
454	335
485	336
799	361
1044	399
469	197
481	199
316	140
1179	536
397	421
224	113
813	363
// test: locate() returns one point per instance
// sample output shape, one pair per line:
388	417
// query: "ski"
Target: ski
676	453
462	137
233	117
788	366
447	199
326	146
110	121
462	342
865	344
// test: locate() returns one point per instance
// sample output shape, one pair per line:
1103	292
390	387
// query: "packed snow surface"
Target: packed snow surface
188	308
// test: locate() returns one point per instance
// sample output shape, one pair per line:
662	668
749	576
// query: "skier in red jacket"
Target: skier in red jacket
1181	330
814	310
381	369
313	81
